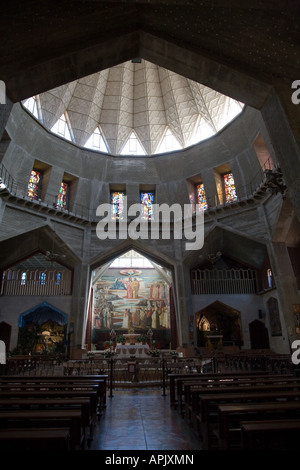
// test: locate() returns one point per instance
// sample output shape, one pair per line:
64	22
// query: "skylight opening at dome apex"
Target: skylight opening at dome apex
138	107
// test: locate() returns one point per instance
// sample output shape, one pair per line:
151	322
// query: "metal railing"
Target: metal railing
224	281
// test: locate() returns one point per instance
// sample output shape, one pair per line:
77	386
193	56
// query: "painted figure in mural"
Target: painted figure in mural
105	316
143	321
135	288
136	318
129	288
118	285
110	323
127	319
155	317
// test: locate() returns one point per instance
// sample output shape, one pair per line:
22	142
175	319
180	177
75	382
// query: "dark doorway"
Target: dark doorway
259	336
5	333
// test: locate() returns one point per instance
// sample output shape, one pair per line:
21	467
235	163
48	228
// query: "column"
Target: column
286	284
5	110
183	301
282	120
79	307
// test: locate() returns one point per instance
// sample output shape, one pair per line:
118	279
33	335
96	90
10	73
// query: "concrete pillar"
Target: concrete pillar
282	120
2	209
286	285
183	296
79	303
5	110
53	186
210	187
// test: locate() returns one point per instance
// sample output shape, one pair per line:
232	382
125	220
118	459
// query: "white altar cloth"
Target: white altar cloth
128	350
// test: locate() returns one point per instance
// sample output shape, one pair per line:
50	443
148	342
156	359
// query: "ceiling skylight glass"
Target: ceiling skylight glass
140	109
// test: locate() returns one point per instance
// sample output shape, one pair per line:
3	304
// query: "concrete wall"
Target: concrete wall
167	172
245	229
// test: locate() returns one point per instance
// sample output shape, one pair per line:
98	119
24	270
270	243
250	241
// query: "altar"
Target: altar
129	350
214	341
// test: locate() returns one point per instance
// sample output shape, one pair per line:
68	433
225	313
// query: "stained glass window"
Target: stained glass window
147	201
270	278
62	201
229	187
117	199
201	197
43	278
23	278
58	278
34	185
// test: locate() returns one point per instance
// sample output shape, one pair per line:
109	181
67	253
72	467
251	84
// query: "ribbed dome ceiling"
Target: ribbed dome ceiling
137	97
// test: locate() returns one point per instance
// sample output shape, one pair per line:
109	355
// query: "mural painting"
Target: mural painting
131	298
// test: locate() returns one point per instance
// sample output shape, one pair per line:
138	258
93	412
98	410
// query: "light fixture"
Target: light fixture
274	181
51	256
213	257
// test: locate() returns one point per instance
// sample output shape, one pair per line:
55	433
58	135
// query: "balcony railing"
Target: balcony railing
268	177
223	281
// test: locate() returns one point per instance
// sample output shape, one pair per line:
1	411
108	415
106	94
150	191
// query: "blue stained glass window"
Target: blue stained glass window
43	278
23	278
147	201
58	278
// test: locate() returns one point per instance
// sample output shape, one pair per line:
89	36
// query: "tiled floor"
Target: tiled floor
138	419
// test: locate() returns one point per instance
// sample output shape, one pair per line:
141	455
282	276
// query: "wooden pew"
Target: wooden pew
175	388
231	416
82	403
185	404
68	394
71	419
255	385
208	406
34	383
100	379
274	434
34	439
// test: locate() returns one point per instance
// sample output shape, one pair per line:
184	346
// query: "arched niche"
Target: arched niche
42	329
218	325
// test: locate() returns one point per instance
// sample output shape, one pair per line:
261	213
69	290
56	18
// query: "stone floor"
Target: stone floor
141	419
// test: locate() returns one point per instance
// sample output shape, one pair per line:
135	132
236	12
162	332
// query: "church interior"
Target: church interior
113	108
